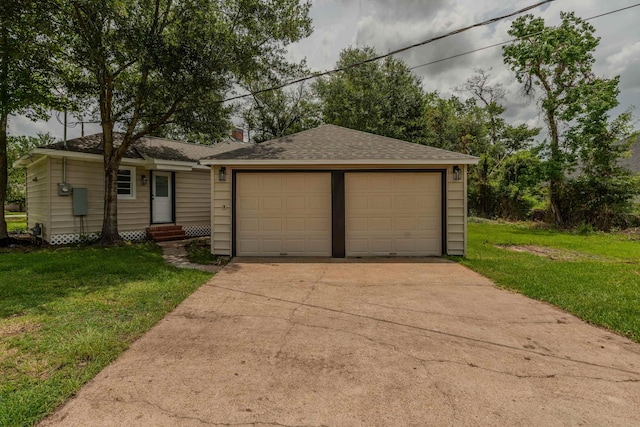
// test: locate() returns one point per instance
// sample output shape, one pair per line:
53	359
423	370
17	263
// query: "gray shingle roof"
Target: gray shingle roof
330	142
152	147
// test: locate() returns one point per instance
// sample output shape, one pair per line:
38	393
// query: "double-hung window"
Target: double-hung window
126	182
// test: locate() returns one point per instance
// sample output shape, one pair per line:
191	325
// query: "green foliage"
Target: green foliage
66	314
27	64
517	185
382	97
17	146
164	67
594	276
275	113
558	61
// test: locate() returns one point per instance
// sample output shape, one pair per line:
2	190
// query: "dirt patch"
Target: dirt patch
546	252
17	328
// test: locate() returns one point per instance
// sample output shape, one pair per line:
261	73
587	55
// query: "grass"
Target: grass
65	314
16	221
595	276
199	252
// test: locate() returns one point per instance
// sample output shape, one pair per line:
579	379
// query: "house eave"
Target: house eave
147	163
381	162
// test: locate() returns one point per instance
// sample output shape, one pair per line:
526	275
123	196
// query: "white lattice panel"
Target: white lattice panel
66	239
197	230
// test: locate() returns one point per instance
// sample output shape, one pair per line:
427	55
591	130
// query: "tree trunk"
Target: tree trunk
556	174
3	174
109	235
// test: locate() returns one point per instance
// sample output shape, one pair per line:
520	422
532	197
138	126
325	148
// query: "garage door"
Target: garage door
393	213
283	214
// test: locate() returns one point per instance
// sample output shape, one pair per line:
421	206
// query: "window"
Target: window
126	182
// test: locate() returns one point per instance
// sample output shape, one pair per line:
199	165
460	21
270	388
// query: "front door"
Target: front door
161	198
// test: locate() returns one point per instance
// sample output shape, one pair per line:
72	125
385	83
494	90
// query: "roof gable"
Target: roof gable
334	143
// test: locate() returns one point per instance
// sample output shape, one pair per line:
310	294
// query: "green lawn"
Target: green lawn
16	221
596	277
67	313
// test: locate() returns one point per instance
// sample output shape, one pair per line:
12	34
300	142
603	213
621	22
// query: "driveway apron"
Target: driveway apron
407	342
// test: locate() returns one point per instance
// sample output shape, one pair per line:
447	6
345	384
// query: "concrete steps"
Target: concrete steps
163	233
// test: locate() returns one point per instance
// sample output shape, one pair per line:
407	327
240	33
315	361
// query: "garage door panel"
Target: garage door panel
379	224
248	203
292	215
271	183
295	202
382	202
295	224
319	224
271	224
404	202
272	203
404	223
402	217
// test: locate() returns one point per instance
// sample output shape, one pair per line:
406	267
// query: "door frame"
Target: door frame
173	198
338	202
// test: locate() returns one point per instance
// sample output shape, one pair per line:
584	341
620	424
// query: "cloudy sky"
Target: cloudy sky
388	25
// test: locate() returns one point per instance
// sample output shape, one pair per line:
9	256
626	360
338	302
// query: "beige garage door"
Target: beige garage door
389	213
283	214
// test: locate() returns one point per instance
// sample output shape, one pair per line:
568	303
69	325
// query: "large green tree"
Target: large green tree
502	141
270	113
557	62
382	97
26	65
145	64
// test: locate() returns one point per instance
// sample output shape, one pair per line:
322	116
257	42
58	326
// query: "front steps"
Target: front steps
162	233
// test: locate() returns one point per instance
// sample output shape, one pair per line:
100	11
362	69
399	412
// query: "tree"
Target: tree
503	140
18	146
26	66
558	61
274	113
382	97
147	64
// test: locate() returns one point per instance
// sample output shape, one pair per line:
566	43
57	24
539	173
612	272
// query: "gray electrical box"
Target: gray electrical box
80	202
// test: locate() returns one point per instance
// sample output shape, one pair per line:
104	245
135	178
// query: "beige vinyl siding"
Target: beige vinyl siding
132	214
193	197
38	195
221	214
456	214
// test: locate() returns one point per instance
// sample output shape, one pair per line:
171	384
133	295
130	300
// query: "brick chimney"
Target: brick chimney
237	134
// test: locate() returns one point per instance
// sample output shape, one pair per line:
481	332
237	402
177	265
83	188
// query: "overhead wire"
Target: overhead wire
422	43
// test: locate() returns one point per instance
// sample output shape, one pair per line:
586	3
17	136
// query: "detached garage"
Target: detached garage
336	192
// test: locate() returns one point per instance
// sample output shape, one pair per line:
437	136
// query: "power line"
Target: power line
394	52
513	40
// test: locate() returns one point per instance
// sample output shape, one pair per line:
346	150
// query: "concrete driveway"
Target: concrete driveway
371	343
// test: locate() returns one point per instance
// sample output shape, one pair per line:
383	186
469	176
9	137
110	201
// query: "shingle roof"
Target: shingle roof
335	143
151	147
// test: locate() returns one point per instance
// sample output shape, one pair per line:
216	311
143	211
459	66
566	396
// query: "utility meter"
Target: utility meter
64	189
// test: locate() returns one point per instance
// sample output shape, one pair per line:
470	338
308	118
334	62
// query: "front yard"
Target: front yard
67	313
595	276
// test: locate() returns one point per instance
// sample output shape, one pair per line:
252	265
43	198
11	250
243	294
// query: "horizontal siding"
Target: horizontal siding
456	214
221	215
38	195
193	198
132	214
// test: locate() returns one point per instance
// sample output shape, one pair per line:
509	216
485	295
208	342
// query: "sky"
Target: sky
388	25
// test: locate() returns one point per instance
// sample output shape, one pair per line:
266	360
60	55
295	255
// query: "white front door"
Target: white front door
161	198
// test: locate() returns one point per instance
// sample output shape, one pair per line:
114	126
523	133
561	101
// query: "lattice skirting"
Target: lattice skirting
197	230
65	239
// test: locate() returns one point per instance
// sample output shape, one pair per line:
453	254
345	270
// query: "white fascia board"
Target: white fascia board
90	157
218	162
169	165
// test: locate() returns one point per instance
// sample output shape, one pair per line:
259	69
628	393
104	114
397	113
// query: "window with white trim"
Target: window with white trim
126	182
